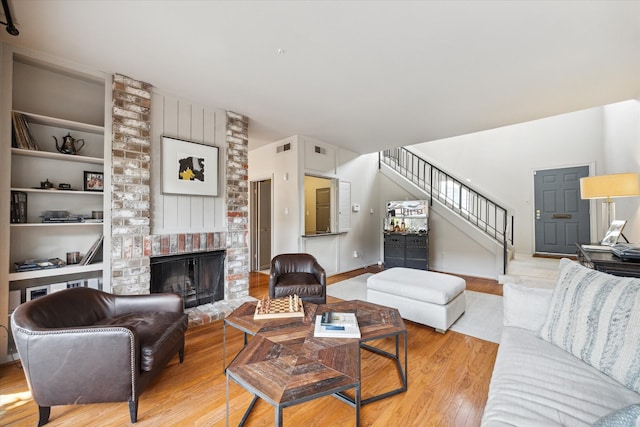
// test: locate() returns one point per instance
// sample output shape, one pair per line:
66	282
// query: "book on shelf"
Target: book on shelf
336	325
38	264
60	217
18	207
22	136
94	253
63	220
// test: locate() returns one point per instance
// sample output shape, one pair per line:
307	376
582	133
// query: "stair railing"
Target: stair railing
475	208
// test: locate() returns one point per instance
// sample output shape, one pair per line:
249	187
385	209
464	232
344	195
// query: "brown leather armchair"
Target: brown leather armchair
299	274
82	345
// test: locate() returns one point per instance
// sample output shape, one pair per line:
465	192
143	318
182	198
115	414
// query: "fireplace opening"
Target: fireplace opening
197	277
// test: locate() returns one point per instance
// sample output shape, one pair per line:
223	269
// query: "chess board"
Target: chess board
279	308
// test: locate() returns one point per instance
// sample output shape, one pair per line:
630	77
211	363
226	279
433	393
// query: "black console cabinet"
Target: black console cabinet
607	262
409	250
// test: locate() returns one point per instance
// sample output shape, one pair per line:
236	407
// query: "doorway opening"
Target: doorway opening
319	196
260	225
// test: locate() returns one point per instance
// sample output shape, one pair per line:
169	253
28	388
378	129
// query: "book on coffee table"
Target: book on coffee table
336	325
333	318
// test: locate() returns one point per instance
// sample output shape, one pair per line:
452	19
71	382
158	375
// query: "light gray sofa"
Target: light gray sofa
537	381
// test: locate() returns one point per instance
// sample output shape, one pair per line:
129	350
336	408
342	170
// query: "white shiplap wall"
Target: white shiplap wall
181	119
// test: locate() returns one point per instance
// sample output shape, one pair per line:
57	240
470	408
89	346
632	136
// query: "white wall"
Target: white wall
366	227
622	129
500	162
334	252
452	251
282	168
173	213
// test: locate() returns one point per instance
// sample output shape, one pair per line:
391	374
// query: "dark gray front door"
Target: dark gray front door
561	217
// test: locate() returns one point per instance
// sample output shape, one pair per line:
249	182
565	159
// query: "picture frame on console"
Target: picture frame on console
189	168
614	232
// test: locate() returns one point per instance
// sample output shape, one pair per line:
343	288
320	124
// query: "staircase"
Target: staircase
469	206
531	271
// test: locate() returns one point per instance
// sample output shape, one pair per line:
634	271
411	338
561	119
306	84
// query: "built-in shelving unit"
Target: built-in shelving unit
56	99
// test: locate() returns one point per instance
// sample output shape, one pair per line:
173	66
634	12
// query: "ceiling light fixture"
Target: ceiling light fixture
11	29
280	51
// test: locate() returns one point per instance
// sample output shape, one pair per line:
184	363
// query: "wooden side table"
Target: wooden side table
285	371
377	322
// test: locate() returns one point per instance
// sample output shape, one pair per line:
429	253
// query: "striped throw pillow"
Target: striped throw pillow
596	317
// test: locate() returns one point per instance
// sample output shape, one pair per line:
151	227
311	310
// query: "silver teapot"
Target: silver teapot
69	144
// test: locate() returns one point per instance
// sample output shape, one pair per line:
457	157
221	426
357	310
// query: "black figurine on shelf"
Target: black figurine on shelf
46	184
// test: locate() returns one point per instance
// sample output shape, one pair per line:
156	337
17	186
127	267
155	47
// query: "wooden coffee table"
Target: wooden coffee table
284	364
377	322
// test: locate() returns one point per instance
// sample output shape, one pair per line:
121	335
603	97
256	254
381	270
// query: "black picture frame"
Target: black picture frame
183	167
93	181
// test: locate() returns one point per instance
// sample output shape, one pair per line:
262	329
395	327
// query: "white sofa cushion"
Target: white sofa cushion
537	384
596	317
525	307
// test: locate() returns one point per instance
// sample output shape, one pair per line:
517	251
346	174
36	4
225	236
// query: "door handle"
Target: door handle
537	213
561	216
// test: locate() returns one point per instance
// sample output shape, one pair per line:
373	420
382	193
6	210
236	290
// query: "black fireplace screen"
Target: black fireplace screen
198	278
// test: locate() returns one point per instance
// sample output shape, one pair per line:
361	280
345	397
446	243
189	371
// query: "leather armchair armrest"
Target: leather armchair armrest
272	287
95	364
146	303
320	273
273	277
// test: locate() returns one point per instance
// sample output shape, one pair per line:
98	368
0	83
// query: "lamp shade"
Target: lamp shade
609	186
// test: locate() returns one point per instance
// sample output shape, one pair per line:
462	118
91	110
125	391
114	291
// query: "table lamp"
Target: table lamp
609	187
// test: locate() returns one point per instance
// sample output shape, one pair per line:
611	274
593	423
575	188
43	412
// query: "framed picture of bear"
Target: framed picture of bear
189	168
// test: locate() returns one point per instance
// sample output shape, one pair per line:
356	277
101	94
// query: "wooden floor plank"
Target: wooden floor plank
448	382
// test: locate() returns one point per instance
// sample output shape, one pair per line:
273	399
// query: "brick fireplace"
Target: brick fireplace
198	277
133	245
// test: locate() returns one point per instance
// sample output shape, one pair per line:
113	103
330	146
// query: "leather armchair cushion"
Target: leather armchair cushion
66	310
302	284
158	334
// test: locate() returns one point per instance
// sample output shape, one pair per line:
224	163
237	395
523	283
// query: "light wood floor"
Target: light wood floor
448	381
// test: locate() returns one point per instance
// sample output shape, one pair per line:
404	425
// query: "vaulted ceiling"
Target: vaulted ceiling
364	75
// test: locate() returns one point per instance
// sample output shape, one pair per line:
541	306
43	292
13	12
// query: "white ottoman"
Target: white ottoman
433	299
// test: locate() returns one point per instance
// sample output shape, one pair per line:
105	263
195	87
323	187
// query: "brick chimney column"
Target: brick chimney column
237	262
130	193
